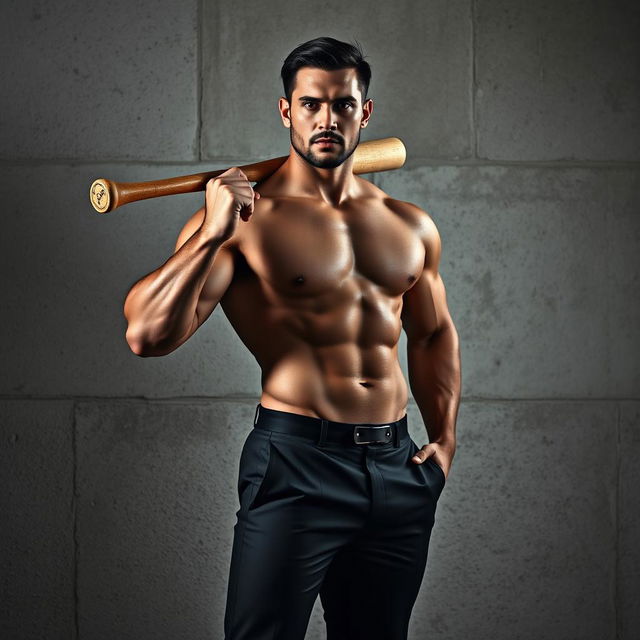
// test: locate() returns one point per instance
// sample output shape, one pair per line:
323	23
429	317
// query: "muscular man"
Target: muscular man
318	270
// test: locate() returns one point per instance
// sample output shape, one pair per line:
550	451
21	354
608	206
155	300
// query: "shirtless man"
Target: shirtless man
318	271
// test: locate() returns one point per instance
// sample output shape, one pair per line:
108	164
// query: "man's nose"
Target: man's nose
327	117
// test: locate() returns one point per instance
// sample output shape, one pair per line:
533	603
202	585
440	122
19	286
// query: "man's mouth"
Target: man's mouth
326	141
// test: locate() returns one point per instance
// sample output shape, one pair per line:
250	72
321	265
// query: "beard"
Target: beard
322	159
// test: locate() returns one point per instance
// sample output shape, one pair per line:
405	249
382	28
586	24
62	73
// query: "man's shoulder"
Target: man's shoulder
416	217
410	212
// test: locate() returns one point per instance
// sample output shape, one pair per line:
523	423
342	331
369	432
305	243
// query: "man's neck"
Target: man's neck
297	178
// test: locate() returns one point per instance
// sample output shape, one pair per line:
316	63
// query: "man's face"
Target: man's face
325	104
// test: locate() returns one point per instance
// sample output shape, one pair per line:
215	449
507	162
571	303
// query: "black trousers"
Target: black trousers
323	514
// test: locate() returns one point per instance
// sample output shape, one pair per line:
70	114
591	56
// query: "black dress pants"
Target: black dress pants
322	514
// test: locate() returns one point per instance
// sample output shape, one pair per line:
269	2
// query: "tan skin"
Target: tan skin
318	271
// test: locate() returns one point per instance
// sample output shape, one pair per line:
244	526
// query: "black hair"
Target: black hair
328	54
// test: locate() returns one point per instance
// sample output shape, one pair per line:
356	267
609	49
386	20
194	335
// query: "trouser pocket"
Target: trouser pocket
438	468
431	470
254	467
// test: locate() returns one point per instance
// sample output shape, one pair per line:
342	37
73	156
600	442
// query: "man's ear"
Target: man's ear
367	110
285	112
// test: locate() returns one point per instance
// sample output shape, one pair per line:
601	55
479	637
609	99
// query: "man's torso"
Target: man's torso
316	297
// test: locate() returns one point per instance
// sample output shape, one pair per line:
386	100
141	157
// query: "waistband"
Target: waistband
346	433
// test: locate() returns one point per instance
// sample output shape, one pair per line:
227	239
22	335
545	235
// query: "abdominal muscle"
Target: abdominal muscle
338	362
332	357
307	383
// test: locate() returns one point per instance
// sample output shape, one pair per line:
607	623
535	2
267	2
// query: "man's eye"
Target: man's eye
343	104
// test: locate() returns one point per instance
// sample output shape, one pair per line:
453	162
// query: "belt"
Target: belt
346	433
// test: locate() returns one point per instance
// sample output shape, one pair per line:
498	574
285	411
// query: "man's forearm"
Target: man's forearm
435	381
161	307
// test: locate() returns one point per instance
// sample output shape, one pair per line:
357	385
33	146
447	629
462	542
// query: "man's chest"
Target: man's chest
310	252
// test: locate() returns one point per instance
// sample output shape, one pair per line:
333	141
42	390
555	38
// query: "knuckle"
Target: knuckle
215	184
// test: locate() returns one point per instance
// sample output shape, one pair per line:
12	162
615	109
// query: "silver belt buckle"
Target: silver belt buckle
359	433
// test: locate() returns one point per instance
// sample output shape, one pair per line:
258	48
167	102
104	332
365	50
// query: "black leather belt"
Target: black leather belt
347	433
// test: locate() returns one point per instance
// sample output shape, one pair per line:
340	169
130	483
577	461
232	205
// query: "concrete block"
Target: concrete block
629	522
96	81
524	543
416	97
623	290
37	507
157	496
557	81
532	264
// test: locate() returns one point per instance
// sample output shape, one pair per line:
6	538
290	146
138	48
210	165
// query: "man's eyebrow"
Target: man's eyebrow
312	99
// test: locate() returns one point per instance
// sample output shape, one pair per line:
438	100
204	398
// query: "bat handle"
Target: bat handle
106	195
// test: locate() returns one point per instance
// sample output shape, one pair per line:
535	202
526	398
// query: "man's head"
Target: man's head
325	83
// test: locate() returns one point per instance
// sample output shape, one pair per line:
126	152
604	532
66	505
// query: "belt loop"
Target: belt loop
255	417
396	435
323	433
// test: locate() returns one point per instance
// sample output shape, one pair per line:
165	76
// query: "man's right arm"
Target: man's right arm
164	309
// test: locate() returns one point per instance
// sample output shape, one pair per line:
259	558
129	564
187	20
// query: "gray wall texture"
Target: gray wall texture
117	473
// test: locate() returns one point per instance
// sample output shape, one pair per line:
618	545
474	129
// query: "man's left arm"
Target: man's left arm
433	352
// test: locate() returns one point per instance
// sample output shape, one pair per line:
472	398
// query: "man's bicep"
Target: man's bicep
424	307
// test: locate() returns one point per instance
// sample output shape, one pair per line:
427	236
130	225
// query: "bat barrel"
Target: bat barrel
379	155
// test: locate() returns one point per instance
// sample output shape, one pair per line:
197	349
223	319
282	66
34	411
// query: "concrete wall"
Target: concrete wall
118	473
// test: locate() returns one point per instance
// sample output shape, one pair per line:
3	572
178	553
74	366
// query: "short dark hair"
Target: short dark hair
328	54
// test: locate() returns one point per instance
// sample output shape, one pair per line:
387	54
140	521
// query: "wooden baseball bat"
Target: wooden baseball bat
105	195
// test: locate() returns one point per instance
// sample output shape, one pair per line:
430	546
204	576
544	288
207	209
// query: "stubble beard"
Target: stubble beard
320	160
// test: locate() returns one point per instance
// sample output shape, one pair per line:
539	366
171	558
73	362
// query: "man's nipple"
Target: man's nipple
299	280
